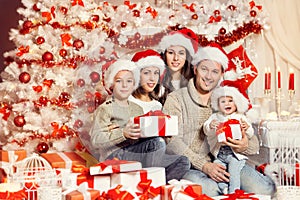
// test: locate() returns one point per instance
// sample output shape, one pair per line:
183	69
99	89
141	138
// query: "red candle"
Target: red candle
291	80
267	80
278	79
297	174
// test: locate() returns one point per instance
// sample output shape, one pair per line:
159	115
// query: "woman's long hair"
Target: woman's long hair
186	75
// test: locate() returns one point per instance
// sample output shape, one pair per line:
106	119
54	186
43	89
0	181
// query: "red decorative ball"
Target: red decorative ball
47	56
195	16
253	13
19	121
35	8
80	82
222	31
63	53
95	18
64	10
95	77
78	44
42	147
123	24
78	124
27	24
24	77
217	12
232	7
136	13
40	40
102	50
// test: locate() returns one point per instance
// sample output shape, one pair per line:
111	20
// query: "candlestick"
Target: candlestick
291	80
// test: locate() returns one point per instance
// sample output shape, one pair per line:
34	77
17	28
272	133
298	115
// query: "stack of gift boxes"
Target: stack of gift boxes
113	179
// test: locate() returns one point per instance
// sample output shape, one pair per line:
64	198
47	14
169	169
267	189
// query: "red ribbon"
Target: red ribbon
127	3
115	164
213	19
84	175
22	50
252	5
65	39
117	194
13	195
77	2
148	191
240	194
161	120
225	127
191	7
152	11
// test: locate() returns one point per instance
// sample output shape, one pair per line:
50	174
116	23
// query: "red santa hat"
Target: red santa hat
184	37
235	90
148	58
117	66
212	52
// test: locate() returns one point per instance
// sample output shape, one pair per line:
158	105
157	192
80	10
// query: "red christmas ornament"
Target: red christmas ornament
42	147
80	82
95	18
64	97
222	31
63	53
136	13
47	56
40	40
78	44
102	50
195	16
78	124
123	24
232	7
24	77
64	10
35	8
253	13
217	12
19	121
27	24
95	77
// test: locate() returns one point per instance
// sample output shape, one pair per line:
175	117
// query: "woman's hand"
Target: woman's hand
216	172
238	146
132	131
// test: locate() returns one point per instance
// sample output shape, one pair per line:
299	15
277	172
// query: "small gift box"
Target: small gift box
63	159
81	193
12	156
156	123
139	181
231	129
115	166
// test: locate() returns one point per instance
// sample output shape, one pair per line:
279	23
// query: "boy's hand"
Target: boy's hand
132	131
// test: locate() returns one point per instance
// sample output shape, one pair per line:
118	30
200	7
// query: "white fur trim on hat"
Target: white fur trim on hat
151	61
239	99
211	53
176	39
117	66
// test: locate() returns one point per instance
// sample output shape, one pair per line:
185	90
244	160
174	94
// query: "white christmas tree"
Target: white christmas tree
53	79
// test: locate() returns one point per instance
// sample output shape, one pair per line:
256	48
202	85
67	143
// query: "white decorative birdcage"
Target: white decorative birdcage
35	172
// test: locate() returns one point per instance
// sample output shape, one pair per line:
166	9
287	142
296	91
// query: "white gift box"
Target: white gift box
132	179
115	166
236	133
258	196
152	126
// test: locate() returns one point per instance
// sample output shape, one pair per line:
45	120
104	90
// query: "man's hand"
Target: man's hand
216	172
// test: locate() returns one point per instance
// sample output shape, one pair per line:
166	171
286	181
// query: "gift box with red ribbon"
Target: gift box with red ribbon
231	129
8	160
146	180
115	166
242	195
156	123
63	159
82	192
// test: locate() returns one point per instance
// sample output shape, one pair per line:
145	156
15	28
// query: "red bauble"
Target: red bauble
47	56
253	13
42	147
35	8
80	82
222	31
217	12
136	13
64	10
195	16
95	18
24	77
123	24
78	44
19	121
95	77
102	50
63	53
40	40
27	24
231	7
78	124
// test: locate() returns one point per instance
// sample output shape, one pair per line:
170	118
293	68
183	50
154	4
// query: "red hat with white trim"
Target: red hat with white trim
184	37
212	52
148	58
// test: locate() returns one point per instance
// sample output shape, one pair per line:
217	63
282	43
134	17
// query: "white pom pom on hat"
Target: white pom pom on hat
212	52
184	37
148	58
120	65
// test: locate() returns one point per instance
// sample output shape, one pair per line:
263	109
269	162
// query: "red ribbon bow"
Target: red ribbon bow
22	50
152	11
65	39
117	194
252	5
13	195
114	163
77	2
127	3
148	191
213	19
239	194
225	127
191	7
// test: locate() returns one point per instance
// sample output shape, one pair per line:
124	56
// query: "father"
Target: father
192	106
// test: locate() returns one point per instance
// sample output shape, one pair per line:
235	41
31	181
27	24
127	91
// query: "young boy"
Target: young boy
229	103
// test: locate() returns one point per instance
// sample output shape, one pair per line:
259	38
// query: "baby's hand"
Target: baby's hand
244	125
214	124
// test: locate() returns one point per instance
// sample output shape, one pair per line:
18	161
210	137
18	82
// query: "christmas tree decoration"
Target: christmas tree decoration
24	77
42	147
